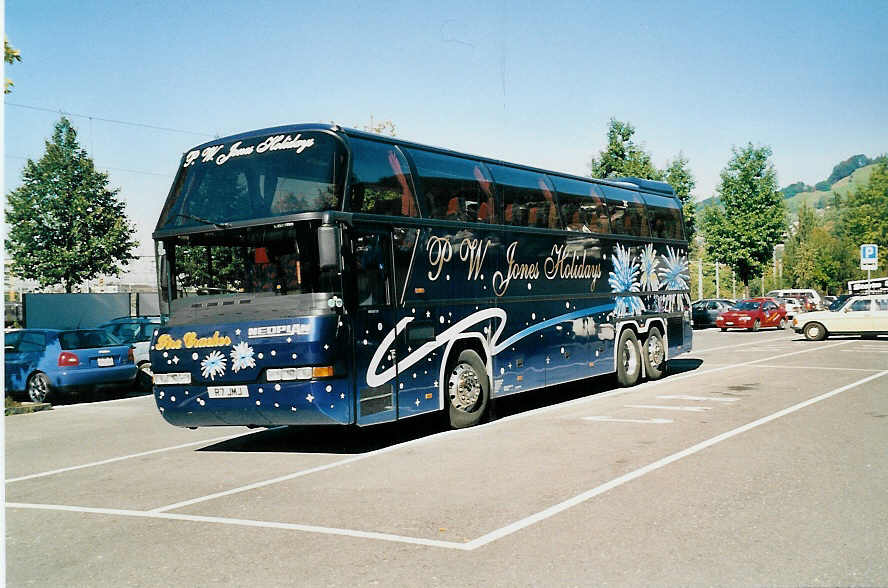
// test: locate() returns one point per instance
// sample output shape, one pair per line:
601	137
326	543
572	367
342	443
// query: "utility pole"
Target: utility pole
700	280
717	282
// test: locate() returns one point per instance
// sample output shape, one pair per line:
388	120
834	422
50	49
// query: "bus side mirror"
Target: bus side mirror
329	242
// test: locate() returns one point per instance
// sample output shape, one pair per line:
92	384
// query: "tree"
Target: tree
753	220
10	56
864	214
65	225
682	181
623	157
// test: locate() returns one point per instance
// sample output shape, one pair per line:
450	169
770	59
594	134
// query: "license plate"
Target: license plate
105	361
729	323
227	392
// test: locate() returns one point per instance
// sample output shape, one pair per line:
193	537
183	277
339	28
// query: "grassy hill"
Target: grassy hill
820	199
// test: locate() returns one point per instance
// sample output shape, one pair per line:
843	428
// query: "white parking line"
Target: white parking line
607	419
677	408
815	367
243	523
700	398
597	491
130	456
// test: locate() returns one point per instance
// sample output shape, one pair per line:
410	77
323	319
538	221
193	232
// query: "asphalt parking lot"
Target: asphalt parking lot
760	460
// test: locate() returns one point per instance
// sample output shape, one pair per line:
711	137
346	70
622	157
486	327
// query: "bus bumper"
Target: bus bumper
315	402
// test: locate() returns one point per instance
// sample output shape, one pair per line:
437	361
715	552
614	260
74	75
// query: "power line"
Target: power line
132	171
111	120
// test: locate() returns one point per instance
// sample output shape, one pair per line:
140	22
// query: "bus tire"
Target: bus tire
628	359
468	390
654	355
815	332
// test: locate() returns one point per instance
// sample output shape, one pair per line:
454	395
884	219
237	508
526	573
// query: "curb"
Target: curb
28	407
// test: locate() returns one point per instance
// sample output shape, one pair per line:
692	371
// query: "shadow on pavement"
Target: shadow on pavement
356	440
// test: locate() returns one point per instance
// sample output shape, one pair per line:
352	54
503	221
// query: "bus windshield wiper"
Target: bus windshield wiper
205	221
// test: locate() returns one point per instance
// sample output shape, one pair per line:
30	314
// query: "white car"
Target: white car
792	306
860	315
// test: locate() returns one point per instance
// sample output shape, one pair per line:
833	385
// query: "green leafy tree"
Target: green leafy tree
623	157
753	220
682	181
864	215
65	225
10	56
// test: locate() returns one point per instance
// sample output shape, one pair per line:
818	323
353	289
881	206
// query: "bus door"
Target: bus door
374	318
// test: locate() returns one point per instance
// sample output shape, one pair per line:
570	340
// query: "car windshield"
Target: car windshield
87	339
839	302
746	305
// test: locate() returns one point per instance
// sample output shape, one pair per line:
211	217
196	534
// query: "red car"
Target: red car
753	314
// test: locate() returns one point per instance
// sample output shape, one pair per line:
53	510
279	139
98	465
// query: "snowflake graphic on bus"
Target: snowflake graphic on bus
242	357
213	365
624	278
675	276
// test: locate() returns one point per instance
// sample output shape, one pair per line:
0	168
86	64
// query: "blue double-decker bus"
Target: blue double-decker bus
312	274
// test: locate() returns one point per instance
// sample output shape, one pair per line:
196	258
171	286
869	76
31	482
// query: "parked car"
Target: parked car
705	311
809	298
859	315
43	362
753	314
838	302
137	331
793	307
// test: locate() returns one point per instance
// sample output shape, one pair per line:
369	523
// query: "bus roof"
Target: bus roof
662	188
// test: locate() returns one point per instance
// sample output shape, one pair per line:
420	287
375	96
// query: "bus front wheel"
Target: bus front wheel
628	359
654	355
468	388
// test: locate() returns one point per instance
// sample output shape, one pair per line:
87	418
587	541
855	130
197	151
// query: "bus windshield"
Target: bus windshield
258	177
250	264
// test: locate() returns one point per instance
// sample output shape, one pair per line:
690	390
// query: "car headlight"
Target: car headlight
172	379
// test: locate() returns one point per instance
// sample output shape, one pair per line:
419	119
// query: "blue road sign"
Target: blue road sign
869	256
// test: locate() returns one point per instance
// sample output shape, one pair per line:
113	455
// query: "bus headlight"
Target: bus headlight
172	379
300	373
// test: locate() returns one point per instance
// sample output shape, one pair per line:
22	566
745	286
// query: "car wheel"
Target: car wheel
38	387
145	377
628	359
815	332
469	390
723	329
756	325
654	355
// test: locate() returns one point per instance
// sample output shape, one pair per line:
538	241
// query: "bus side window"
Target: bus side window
665	216
582	206
381	182
526	196
627	211
454	188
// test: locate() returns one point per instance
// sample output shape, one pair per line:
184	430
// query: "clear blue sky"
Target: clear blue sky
528	82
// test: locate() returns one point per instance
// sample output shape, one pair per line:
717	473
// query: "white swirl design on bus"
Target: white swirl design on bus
375	379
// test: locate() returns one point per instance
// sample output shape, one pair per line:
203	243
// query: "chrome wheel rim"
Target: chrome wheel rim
655	351
464	387
38	388
813	331
630	357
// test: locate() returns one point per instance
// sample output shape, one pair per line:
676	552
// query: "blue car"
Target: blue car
43	362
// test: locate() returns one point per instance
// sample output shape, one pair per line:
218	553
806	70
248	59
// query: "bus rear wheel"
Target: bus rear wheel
468	389
628	358
654	355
